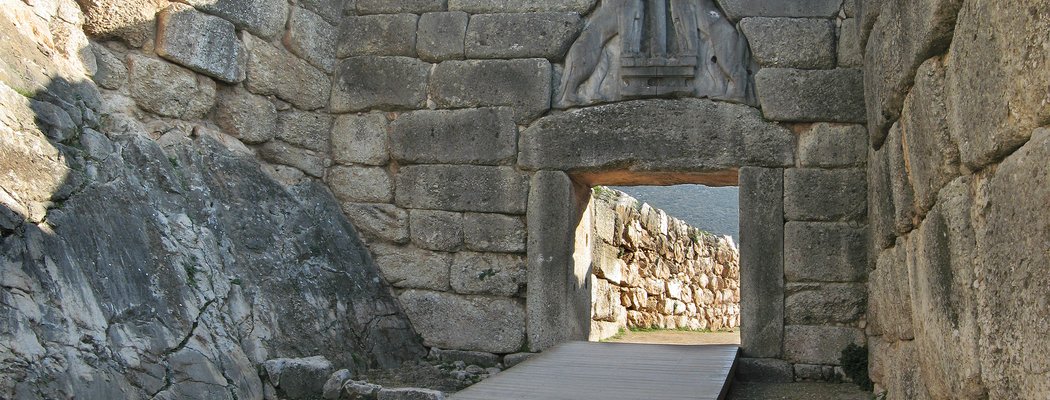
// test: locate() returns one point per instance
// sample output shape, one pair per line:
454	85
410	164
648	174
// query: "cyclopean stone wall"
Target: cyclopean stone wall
651	270
431	125
959	187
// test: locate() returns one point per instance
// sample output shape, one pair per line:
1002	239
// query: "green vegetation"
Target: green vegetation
191	274
619	335
855	365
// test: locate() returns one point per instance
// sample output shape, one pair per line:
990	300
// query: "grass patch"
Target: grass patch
619	335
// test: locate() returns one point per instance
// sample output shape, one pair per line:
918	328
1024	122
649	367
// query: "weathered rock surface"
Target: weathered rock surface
932	155
762	255
408	267
378	35
494	232
824	304
824	195
488	273
187	262
791	42
300	378
485	136
436	230
385	83
441	35
520	6
275	71
737	9
248	117
462	188
365	7
811	95
200	42
830	146
450	321
360	139
991	76
824	252
905	34
521	35
524	85
379	221
168	90
819	344
311	38
707	136
263	18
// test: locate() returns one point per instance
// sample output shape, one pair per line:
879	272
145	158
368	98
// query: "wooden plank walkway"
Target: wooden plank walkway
613	371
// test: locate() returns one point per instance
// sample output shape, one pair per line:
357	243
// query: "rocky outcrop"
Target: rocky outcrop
651	270
145	256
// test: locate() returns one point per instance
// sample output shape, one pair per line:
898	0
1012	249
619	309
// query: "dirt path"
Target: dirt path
678	337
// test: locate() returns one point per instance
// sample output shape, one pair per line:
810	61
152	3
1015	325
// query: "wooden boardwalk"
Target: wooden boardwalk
613	371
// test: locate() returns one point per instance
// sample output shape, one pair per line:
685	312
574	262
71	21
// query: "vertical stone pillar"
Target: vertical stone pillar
762	261
558	303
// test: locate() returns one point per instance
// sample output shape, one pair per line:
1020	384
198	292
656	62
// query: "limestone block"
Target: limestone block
1011	225
558	304
462	188
494	232
330	10
410	394
379	221
479	358
520	6
366	7
488	273
825	303
263	18
736	9
989	76
693	137
110	73
413	268
449	321
889	297
440	35
275	71
901	371
200	42
388	83
524	85
279	152
250	118
931	155
832	145
299	378
764	370
606	300
905	34
168	90
511	360
378	35
819	344
850	53
943	298
825	252
607	264
825	195
880	201
361	184
901	189
791	42
521	35
761	261
311	38
817	95
436	230
485	136
305	129
360	139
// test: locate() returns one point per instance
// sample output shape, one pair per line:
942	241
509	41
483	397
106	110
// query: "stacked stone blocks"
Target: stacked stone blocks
651	270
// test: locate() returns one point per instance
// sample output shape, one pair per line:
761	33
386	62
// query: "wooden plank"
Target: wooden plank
613	371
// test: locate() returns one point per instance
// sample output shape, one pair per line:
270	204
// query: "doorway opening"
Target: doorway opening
664	263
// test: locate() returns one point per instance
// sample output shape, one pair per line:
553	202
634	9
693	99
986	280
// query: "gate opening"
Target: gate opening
664	263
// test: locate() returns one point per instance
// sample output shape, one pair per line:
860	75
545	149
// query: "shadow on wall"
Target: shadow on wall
152	257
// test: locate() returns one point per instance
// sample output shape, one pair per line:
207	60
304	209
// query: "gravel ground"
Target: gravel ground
797	391
678	337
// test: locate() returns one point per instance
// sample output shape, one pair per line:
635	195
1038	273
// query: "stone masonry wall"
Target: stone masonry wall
651	270
431	124
958	194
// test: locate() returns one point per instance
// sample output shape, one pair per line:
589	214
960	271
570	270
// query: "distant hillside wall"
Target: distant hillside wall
651	270
959	188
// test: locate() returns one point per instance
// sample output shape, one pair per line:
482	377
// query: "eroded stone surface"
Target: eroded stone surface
524	85
441	35
413	268
275	71
169	90
386	83
264	18
450	321
462	188
488	273
378	35
200	42
791	42
818	95
521	35
360	139
825	195
485	136
824	252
